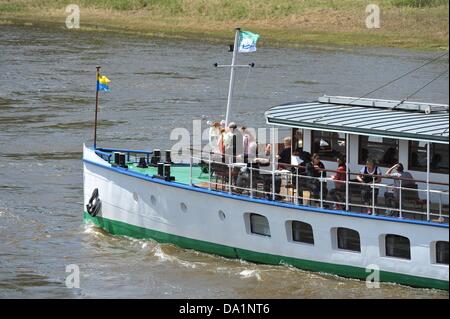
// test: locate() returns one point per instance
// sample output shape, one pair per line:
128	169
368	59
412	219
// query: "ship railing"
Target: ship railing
403	198
132	156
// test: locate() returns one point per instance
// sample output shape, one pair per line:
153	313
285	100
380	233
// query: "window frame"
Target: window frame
386	248
338	241
436	261
294	140
324	157
418	169
252	228
363	162
295	222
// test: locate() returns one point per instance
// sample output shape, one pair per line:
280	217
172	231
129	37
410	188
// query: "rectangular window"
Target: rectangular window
329	145
442	252
302	232
297	139
438	155
348	239
397	246
383	150
259	225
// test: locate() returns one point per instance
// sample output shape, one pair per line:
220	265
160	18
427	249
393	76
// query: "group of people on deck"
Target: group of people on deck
221	139
310	165
304	164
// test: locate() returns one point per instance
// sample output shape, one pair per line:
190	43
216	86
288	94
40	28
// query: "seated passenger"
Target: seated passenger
338	192
299	160
369	174
284	157
315	169
295	158
391	197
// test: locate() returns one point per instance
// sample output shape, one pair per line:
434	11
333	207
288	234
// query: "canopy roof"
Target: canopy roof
385	118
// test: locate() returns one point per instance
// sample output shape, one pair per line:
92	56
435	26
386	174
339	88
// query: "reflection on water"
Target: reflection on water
47	97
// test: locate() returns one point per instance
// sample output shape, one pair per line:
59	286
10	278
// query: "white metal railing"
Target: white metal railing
316	189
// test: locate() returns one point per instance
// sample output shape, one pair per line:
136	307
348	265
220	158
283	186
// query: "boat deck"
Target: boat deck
261	187
180	172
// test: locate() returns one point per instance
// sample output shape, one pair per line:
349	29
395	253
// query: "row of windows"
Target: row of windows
349	239
385	151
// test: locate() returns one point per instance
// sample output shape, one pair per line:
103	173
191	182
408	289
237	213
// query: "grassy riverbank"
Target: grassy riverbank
417	24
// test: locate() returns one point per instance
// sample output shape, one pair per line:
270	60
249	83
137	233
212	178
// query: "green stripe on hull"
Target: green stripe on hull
124	229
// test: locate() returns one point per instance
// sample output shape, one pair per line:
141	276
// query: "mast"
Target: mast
96	107
230	88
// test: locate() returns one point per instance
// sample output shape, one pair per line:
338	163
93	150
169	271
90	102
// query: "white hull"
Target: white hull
194	214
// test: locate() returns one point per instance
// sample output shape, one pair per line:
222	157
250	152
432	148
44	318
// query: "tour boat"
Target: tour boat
263	212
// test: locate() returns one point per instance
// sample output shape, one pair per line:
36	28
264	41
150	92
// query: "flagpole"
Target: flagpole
230	89
96	106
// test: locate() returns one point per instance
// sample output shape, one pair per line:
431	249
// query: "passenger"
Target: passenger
221	144
316	169
214	136
296	159
229	139
268	150
284	157
338	192
366	176
392	197
303	158
248	144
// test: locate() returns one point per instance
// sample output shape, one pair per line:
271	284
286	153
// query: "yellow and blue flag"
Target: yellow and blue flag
102	83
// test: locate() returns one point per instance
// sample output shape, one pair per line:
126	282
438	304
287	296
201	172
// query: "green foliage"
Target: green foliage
11	7
418	3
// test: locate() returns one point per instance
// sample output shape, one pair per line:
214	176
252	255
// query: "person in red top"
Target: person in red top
338	193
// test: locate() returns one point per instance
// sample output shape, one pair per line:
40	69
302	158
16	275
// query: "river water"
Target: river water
47	82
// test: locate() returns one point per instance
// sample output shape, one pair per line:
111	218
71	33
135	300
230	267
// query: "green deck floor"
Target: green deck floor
181	173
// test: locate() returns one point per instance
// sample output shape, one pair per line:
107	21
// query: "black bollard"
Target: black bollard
161	169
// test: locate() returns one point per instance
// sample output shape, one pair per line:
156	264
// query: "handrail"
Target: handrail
335	171
124	150
321	200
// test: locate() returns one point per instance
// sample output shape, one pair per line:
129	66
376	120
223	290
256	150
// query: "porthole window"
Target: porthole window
302	232
397	246
221	215
348	239
259	225
442	252
135	196
183	207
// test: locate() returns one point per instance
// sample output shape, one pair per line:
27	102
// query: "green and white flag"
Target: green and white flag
247	41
